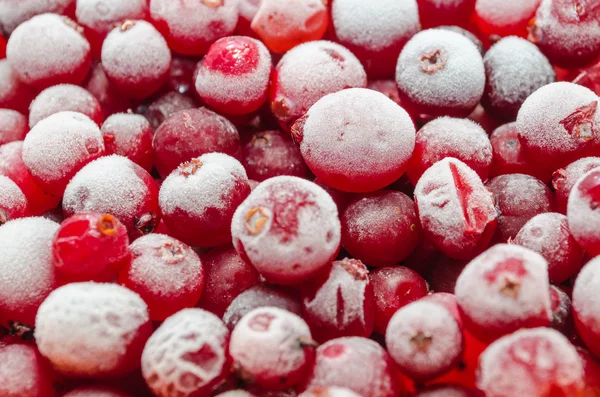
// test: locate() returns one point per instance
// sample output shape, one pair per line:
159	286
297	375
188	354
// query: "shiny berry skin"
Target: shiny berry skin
589	77
518	198
585	304
187	355
380	228
96	391
226	276
90	246
562	312
288	228
233	77
443	273
13	94
191	133
393	288
583	211
455	209
24	372
435	13
430	67
13	203
117	186
92	330
307	73
514	69
59	146
549	235
333	391
64	97
129	135
272	348
375	31
356	140
191	26
451	137
111	100
509	156
44	60
13	126
509	18
199	198
533	362
340	302
181	75
502	290
283	25
167	274
564	179
340	360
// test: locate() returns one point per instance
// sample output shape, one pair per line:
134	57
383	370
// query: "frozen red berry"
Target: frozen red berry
129	135
323	391
11	16
388	88
161	108
13	203
288	228
502	290
356	140
564	179
562	312
307	73
42	59
435	13
13	94
591	368
588	77
110	99
136	58
431	67
508	18
448	390
24	372
13	126
509	156
96	391
586	303
187	355
583	211
64	97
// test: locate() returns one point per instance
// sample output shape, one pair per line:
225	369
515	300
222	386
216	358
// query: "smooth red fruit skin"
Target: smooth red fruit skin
226	276
434	13
191	133
562	313
509	155
13	94
443	273
591	369
509	18
161	108
111	100
181	75
90	246
340	198
590	78
534	362
583	211
585	304
340	302
13	126
443	390
129	135
564	179
96	391
24	372
2	47
380	228
64	97
484	119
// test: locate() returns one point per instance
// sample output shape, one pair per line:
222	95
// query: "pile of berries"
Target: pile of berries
299	198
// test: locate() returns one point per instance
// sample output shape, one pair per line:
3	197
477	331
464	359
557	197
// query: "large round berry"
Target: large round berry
583	211
507	18
509	156
42	59
564	179
96	391
24	372
12	16
13	126
92	330
586	305
356	140
111	99
199	198
288	228
13	94
64	97
163	107
445	12
129	135
13	203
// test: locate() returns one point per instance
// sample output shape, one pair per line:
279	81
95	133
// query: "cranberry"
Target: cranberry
2	47
248	9
589	77
64	97
446	12
583	211
585	300
509	18
95	391
12	15
388	88
110	99
44	60
502	290
562	313
13	126
465	32
24	372
13	203
430	67
591	368
129	135
564	179
192	133
375	31
333	391
92	330
445	390
161	108
181	75
509	156
187	355
13	94
443	273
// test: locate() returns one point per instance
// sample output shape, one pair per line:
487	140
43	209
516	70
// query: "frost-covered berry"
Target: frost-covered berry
129	135
64	97
498	19
96	391
324	391
586	304
564	179
509	156
13	94
13	203
13	126
583	211
24	372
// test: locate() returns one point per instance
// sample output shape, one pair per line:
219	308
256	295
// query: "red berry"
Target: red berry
509	18
388	88
590	78
502	290
288	228
583	211
44	60
333	391
95	391
24	373
111	100
509	155
64	97
591	368
191	133
447	390
92	330
430	67
564	179
443	273
13	126
90	246
11	16
248	9
13	203
455	209
446	12
2	47
187	355
532	362
181	75
464	32
161	108
13	94
129	135
586	303
562	313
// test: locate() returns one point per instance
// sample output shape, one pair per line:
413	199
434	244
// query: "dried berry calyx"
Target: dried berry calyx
511	288
190	167
127	25
107	225
580	123
172	253
422	341
261	139
256	219
433	61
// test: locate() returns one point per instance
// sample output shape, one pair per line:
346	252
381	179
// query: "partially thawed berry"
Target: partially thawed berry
583	211
564	179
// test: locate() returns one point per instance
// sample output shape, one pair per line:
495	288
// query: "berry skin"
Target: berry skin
95	391
502	290
13	203
591	368
110	99
166	273
11	16
589	77
199	198
24	372
435	13
90	246
534	362
91	330
187	355
161	108
356	153
564	179
586	303
13	94
233	77
509	155
288	228
583	211
333	391
64	97
562	312
13	126
509	18
272	348
129	135
443	390
43	60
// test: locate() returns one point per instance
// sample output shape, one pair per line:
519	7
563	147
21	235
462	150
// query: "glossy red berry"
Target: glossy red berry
129	135
64	97
509	156
583	211
509	18
13	126
24	372
435	13
564	179
591	368
588	77
562	312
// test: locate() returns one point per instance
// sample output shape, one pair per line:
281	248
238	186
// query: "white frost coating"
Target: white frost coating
27	275
527	361
87	329
95	391
266	343
135	55
432	320
15	12
332	391
316	238
171	355
507	12
236	393
586	301
459	83
574	171
248	9
128	130
312	70
63	97
205	189
583	216
102	15
375	25
445	391
13	125
10	86
479	288
58	144
12	199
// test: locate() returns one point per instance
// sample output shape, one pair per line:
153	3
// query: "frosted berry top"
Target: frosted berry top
64	97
